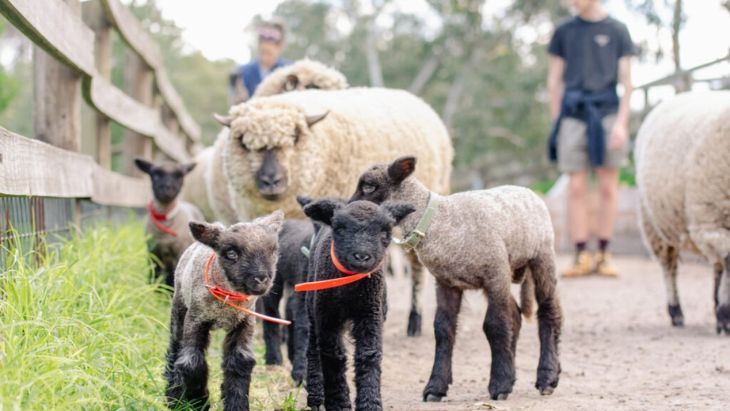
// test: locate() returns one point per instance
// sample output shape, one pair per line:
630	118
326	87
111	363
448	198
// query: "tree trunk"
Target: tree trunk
374	68
428	69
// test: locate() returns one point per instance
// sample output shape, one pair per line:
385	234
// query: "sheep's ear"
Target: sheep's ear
291	82
207	234
315	118
272	221
224	120
401	168
304	200
398	210
323	210
143	165
186	168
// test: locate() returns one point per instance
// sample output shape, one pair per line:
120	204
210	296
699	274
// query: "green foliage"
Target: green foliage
8	85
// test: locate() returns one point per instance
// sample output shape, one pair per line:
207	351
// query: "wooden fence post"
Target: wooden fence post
139	79
95	18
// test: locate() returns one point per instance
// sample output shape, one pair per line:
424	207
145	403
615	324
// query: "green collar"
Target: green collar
411	240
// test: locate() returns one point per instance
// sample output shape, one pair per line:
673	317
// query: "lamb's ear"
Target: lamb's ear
208	234
401	168
272	221
315	118
224	120
143	165
323	210
398	209
291	82
304	200
186	168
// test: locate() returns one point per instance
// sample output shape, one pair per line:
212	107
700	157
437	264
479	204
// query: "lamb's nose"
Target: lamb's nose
361	257
260	279
269	180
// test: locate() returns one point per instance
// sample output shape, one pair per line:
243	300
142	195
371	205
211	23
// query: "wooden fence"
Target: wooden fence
72	59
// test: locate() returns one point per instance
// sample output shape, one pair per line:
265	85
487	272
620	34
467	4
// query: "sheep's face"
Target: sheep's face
263	142
380	181
247	252
361	230
167	178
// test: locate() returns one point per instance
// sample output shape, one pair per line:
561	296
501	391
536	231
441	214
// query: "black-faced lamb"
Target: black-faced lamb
481	240
216	283
168	217
348	256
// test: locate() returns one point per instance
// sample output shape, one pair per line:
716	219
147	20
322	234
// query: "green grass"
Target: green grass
82	328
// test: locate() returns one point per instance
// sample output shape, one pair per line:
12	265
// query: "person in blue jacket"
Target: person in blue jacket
246	77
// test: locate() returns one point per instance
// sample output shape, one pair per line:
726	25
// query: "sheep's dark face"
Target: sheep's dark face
247	252
167	178
378	183
361	230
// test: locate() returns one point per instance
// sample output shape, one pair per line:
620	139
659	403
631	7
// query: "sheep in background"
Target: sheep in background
301	75
216	283
167	217
315	143
479	240
683	176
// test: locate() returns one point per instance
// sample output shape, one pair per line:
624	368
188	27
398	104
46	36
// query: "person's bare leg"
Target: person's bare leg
608	186
578	221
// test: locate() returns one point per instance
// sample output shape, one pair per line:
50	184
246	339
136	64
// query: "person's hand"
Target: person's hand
619	136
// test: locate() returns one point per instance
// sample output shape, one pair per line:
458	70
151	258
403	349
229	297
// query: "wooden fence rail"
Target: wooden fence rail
83	47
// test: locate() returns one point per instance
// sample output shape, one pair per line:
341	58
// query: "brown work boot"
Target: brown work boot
604	266
582	266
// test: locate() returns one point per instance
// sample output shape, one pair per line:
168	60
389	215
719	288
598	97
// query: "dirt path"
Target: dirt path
618	350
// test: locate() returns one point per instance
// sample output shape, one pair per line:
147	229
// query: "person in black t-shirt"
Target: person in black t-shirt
589	54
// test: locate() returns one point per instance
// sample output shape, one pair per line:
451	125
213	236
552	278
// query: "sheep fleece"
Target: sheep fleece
364	126
683	173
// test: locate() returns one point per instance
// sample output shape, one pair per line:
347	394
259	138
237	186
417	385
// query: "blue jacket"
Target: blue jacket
590	107
250	73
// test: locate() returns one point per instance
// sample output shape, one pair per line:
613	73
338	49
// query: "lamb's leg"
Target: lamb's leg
298	336
177	321
417	278
272	331
448	300
238	363
189	377
334	365
288	332
368	333
499	328
550	319
315	383
723	300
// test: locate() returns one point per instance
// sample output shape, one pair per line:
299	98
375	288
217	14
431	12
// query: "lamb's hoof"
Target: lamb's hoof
547	381
500	397
499	390
297	376
723	319
547	390
414	324
675	312
432	398
317	408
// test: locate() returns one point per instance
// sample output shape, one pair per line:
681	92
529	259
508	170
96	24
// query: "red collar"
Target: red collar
350	276
157	218
228	296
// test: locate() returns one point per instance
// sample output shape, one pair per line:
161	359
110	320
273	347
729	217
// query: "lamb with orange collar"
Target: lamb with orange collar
168	217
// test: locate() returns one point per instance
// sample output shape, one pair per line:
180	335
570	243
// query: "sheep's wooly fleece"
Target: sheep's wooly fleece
364	126
683	172
308	72
194	190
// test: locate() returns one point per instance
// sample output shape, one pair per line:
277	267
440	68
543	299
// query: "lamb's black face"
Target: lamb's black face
167	178
247	252
379	181
361	230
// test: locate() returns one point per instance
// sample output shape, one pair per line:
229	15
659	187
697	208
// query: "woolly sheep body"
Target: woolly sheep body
194	189
308	73
364	125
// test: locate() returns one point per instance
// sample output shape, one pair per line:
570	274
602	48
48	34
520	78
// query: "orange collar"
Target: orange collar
350	276
157	218
228	296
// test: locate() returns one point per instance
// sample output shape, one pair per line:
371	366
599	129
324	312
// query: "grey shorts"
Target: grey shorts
573	146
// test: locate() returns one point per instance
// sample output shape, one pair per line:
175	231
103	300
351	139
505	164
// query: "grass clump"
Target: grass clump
81	327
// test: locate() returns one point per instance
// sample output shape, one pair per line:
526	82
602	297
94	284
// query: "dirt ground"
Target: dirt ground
618	349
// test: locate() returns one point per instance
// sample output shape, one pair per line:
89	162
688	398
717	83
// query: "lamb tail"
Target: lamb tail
527	295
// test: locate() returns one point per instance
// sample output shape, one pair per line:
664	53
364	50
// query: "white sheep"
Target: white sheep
303	74
683	176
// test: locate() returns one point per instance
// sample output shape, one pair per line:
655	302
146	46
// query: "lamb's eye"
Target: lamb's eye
368	188
231	255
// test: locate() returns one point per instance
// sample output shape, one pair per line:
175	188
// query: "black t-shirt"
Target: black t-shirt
591	51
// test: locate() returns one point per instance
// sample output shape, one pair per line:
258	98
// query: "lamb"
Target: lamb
167	217
316	142
351	246
216	283
302	75
290	270
683	178
484	240
204	187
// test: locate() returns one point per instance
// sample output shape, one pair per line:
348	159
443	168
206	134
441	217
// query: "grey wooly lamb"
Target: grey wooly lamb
480	240
360	233
291	269
245	262
167	181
